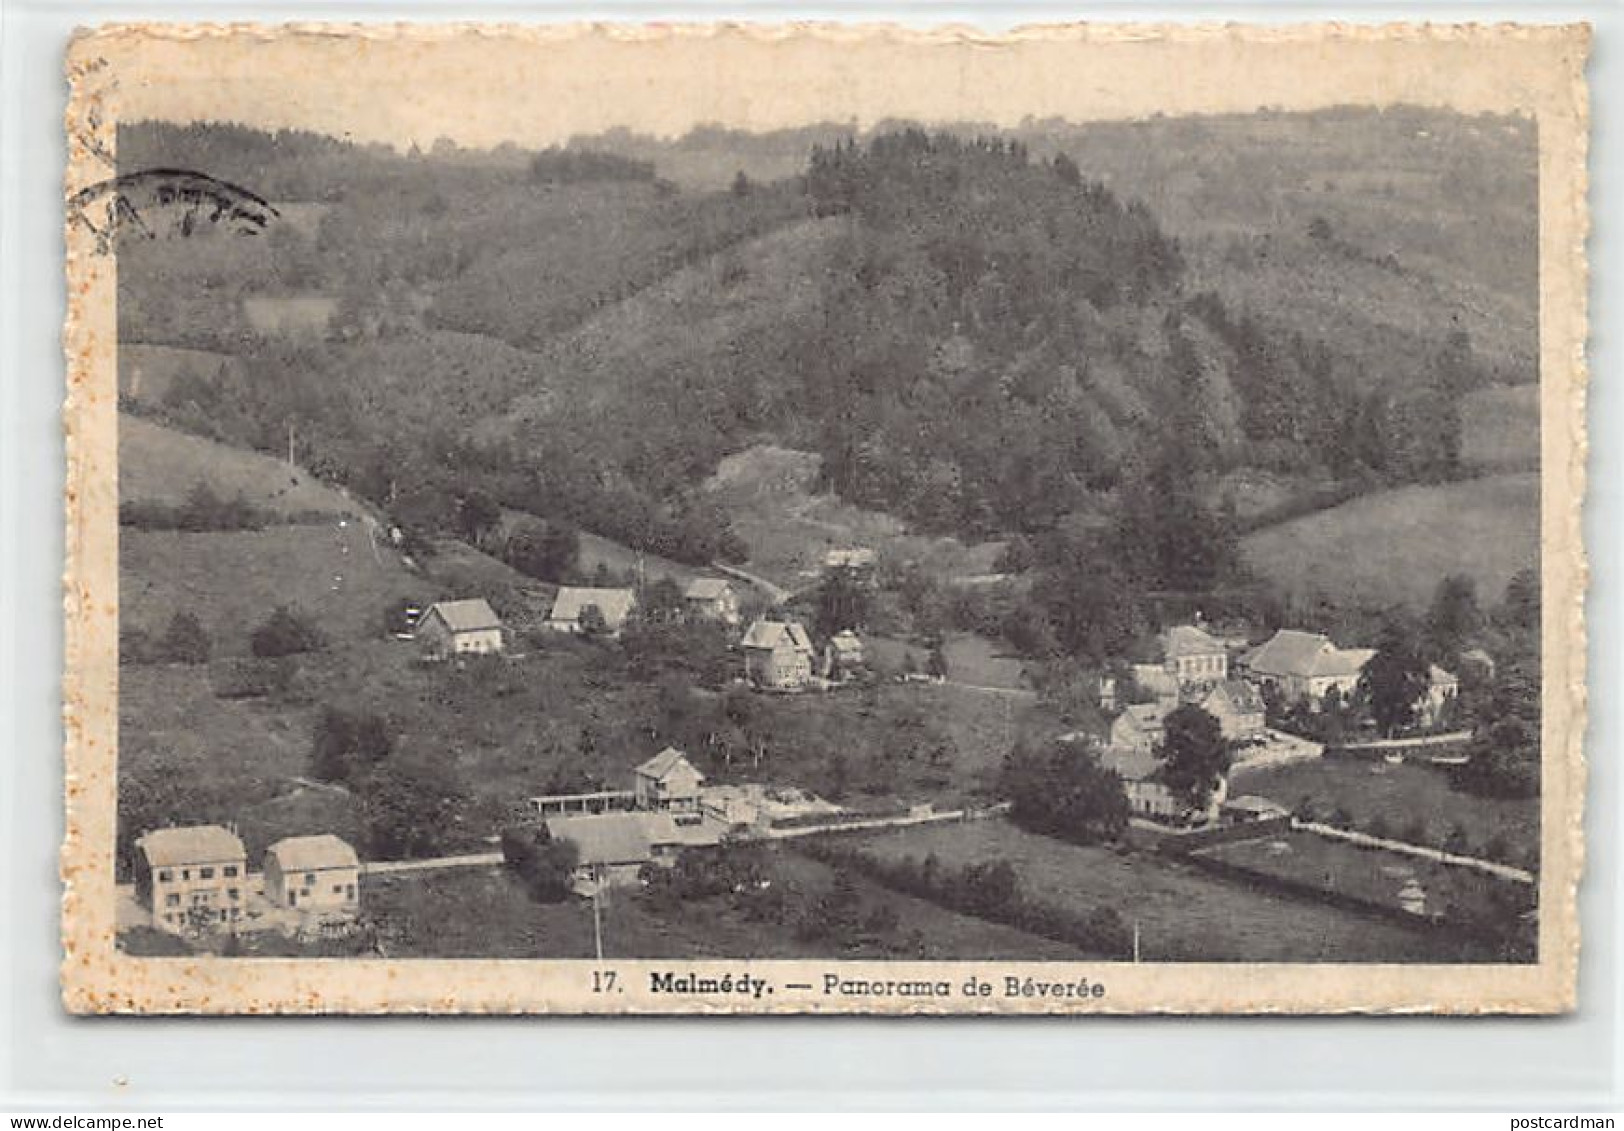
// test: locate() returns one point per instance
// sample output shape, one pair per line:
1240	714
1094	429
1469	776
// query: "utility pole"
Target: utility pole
597	916
1135	941
290	443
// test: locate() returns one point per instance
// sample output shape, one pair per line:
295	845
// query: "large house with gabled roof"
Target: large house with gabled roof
1305	666
777	655
667	782
570	610
193	878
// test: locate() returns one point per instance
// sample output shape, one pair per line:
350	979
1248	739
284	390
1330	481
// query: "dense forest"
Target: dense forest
980	342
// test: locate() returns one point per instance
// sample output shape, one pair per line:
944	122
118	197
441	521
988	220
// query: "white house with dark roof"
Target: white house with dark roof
712	599
459	628
1140	768
192	878
667	781
318	875
777	655
1306	665
615	606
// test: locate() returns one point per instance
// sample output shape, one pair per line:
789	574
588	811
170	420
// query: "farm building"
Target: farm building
1139	727
713	600
777	655
191	878
317	875
1238	708
611	848
1249	809
667	781
1306	665
458	628
570	610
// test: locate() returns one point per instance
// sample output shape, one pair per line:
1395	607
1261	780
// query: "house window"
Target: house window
350	891
234	894
172	899
310	878
185	873
338	889
230	870
165	875
205	873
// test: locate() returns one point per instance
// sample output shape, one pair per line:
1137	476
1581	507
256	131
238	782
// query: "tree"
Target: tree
286	632
1503	758
346	744
410	807
1396	676
1521	606
593	624
936	662
185	641
661	602
546	865
843	602
1060	789
478	514
741	184
1195	755
1454	616
543	550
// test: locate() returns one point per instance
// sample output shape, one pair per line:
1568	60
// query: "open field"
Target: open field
771	496
158	464
231	581
1183	914
1500	428
1397	545
486	913
1402	796
1387	879
971	659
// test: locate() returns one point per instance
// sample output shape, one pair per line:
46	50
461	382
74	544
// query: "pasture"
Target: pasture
1395	546
1407	798
1500	428
159	464
1183	914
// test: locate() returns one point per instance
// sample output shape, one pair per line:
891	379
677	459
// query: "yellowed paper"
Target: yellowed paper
291	357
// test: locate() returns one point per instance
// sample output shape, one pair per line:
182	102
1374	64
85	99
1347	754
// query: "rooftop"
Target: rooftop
774	634
615	604
312	853
191	844
471	615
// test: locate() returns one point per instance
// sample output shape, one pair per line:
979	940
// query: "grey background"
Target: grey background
51	1060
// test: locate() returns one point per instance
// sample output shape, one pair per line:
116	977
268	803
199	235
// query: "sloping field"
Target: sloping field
231	581
145	372
158	464
1500	428
1182	913
1395	546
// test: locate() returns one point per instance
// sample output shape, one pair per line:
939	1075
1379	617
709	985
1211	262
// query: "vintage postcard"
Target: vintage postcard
825	519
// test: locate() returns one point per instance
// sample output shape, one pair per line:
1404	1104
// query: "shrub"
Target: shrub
285	633
546	865
184	641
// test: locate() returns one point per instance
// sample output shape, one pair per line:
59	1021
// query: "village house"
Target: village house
1193	657
777	655
1442	688
1306	666
844	655
1238	708
192	879
611	848
712	600
667	782
319	876
614	606
469	627
1140	727
1140	769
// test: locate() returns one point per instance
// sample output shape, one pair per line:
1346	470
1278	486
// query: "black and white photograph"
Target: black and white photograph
823	546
